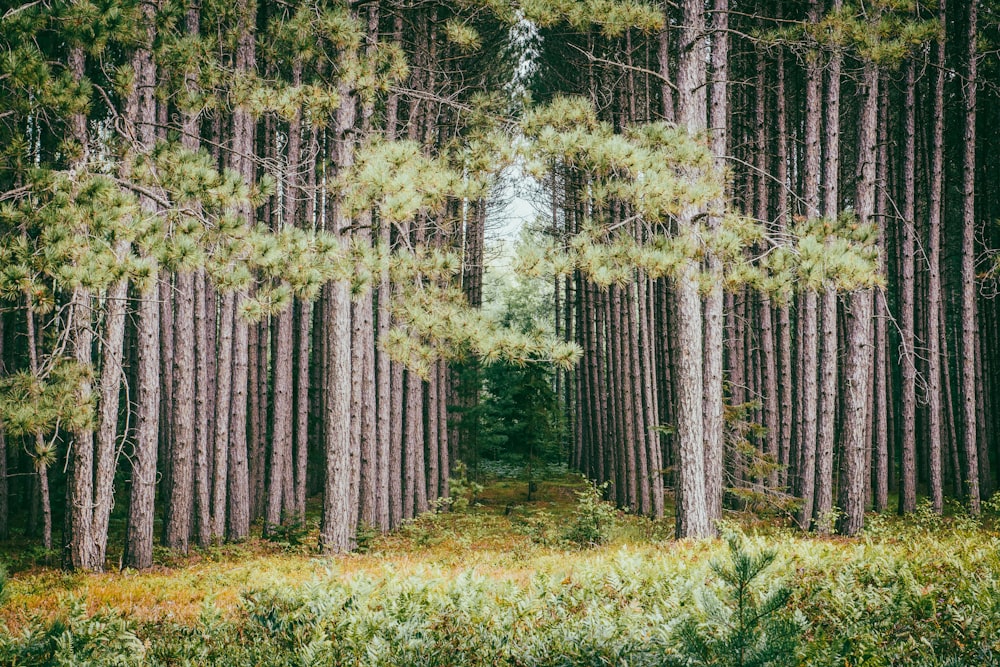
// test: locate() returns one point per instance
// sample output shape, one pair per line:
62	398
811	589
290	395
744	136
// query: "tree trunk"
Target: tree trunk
695	489
933	310
80	549
281	430
713	329
177	525
859	350
41	467
907	362
822	513
223	395
107	430
969	325
202	435
139	532
238	501
337	531
808	351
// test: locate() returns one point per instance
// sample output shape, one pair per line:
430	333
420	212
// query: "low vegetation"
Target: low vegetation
562	580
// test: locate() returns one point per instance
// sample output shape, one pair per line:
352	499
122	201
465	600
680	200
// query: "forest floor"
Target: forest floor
926	589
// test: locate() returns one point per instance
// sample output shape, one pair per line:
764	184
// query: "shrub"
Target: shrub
592	519
77	640
746	627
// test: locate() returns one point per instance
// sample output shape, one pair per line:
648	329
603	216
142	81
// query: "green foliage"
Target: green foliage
884	32
485	588
744	627
593	517
365	536
292	535
463	490
76	640
4	593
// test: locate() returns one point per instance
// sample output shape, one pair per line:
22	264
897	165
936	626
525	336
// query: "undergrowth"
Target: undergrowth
560	581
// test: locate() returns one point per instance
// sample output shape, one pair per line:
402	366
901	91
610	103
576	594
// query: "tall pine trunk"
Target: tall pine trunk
858	358
968	276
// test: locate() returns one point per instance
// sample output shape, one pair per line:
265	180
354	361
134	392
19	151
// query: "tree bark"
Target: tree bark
81	551
713	328
139	532
107	430
933	311
337	530
177	525
968	275
238	501
859	349
223	395
695	489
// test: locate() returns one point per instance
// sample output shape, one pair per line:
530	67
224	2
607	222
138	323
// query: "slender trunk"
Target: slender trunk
934	271
822	513
166	310
713	328
223	394
859	350
79	543
808	347
139	532
281	431
202	435
907	367
785	382
969	326
41	466
768	351
695	489
238	501
337	530
177	525
107	431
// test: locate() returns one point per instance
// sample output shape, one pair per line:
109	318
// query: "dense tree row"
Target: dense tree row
814	380
243	247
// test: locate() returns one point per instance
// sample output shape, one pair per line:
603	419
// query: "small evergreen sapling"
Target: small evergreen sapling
747	627
593	517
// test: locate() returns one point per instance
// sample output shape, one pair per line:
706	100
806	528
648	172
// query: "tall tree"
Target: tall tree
968	274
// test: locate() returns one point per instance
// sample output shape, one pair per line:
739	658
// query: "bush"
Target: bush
745	627
77	640
593	518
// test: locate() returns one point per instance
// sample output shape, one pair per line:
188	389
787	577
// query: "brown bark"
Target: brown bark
822	513
968	272
933	310
223	394
139	531
177	525
713	326
106	460
858	356
807	347
79	542
693	518
202	434
907	359
238	501
337	530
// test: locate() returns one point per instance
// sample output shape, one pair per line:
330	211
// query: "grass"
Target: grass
907	592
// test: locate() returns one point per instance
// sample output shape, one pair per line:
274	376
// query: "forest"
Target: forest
251	307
